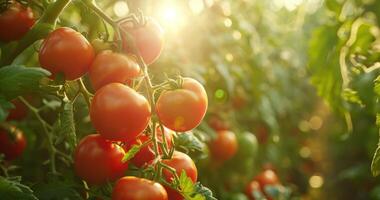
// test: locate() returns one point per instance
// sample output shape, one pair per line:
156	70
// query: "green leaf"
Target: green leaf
324	65
65	125
11	189
192	191
131	153
188	142
352	96
16	80
57	190
4	108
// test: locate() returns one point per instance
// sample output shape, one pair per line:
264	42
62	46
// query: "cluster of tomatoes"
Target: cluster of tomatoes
122	115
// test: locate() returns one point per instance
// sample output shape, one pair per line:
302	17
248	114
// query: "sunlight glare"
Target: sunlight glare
121	8
171	16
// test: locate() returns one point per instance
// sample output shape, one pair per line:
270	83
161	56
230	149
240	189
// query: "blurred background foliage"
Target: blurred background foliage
265	65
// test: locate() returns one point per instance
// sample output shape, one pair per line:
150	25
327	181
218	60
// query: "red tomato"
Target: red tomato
19	112
148	39
133	188
98	160
180	162
66	50
119	113
12	142
183	109
225	145
267	177
109	67
252	187
15	22
146	154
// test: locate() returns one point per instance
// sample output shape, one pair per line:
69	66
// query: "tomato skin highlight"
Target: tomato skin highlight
180	162
119	113
110	67
133	188
66	50
15	22
146	154
12	147
148	39
225	145
183	109
97	160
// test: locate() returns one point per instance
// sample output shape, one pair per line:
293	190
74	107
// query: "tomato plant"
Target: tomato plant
66	51
15	22
133	188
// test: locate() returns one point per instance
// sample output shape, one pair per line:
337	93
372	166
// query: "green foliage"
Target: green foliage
16	80
11	188
193	191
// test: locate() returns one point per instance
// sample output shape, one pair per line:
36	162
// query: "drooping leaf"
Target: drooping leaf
16	80
324	65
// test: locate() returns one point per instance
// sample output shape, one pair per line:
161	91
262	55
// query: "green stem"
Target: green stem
39	31
45	125
86	94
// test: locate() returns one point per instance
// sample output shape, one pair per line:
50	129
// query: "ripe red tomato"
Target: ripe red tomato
133	188
109	67
180	162
267	177
225	145
148	39
12	142
15	22
252	187
66	50
183	109
119	113
19	111
146	154
98	160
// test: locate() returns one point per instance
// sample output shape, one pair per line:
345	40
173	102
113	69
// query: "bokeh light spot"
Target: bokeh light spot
121	8
219	94
316	181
